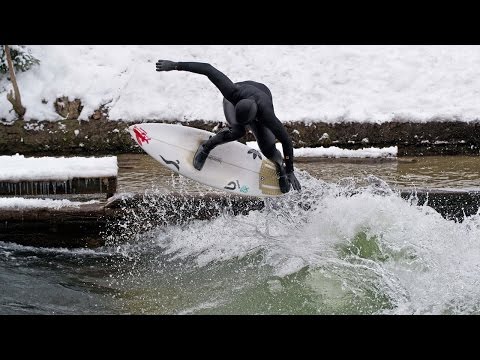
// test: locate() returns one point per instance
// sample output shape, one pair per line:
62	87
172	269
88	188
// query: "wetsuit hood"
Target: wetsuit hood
245	111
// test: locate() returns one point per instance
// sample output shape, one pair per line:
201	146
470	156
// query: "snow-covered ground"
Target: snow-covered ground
335	152
329	83
18	167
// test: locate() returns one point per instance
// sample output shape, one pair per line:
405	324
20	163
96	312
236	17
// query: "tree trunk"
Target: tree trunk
16	100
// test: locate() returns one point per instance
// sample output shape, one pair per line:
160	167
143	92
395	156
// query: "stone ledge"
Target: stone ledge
83	226
99	137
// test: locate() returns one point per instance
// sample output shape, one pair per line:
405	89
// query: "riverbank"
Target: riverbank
102	136
85	226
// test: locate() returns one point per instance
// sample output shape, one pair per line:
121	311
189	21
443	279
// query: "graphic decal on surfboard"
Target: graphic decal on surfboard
141	135
170	162
255	153
232	185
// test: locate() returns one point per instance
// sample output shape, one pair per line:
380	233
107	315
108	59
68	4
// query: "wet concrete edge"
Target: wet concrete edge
88	225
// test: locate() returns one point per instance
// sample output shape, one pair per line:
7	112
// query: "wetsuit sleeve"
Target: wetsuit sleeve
219	79
277	128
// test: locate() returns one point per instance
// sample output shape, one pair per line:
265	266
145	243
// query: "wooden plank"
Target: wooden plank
98	185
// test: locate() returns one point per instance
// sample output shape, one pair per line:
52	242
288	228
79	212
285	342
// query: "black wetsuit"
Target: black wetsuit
266	127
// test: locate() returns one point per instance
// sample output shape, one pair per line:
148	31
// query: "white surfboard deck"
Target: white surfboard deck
232	167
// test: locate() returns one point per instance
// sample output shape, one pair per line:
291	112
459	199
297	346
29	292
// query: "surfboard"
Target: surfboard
233	167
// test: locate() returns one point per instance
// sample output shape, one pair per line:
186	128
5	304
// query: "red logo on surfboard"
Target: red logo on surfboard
141	135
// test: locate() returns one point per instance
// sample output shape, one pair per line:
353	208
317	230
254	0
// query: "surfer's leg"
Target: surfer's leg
229	111
266	142
233	132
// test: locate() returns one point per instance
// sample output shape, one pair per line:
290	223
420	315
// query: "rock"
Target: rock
70	110
100	114
325	140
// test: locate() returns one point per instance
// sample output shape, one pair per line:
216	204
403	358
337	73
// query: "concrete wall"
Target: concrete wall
98	137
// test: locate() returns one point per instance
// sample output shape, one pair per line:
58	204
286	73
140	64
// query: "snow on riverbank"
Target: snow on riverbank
310	83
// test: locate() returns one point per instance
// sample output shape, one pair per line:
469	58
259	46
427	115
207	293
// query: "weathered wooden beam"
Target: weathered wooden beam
99	185
83	226
64	227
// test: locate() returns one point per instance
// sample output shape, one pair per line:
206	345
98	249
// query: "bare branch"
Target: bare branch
15	100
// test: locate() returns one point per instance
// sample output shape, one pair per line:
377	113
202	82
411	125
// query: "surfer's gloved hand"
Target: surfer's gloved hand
293	180
166	65
200	157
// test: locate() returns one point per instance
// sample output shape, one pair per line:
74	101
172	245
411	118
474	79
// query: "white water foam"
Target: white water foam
421	263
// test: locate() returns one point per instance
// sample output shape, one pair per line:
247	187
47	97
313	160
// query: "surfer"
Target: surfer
246	105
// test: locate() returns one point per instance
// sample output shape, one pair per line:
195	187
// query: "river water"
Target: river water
357	248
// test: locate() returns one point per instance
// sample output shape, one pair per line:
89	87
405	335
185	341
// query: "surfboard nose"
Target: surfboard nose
131	132
139	134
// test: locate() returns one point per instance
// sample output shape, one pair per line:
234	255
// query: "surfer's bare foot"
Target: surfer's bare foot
200	157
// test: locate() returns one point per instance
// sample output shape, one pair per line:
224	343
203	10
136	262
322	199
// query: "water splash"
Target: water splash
354	246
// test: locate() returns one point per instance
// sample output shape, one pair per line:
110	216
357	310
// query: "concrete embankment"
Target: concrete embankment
97	137
88	225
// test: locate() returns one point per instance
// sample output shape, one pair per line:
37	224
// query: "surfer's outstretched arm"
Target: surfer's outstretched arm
219	79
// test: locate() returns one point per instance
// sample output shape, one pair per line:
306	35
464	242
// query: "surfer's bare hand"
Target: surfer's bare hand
166	65
293	180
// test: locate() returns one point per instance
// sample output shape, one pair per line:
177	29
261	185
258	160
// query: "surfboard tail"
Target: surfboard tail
269	179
